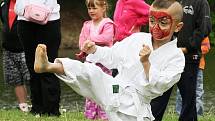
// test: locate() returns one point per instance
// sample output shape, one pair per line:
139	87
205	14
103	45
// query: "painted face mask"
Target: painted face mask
160	24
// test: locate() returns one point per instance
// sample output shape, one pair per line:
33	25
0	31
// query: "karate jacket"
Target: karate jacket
135	90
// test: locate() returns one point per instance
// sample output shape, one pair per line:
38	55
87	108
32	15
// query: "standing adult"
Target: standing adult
15	70
197	25
45	88
205	47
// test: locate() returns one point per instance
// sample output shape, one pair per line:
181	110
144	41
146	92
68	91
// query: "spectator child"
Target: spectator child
101	31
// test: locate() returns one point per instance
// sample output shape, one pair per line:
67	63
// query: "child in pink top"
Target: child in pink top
129	16
101	31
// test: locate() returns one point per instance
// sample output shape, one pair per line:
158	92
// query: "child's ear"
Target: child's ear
179	26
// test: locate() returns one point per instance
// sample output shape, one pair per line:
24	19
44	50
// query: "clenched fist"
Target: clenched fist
144	53
89	47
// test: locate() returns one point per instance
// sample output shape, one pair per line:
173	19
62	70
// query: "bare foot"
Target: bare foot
41	59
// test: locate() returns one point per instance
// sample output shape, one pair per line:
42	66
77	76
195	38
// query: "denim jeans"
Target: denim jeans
199	95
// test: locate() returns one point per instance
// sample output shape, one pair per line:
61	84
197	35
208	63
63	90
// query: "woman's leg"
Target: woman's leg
50	35
27	34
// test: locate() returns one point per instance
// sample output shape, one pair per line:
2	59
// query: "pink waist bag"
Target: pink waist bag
37	13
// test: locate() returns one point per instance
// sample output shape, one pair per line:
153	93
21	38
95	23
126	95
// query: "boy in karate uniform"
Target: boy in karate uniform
148	65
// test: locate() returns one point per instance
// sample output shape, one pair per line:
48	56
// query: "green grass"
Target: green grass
16	115
170	115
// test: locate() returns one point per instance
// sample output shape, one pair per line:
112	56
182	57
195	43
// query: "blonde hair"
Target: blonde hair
100	3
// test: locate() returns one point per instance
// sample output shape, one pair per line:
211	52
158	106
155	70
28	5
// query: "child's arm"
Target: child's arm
160	80
144	58
110	57
105	38
82	38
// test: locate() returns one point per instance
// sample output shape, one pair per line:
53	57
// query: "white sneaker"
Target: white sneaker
24	107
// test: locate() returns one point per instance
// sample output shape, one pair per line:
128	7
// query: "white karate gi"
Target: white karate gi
132	103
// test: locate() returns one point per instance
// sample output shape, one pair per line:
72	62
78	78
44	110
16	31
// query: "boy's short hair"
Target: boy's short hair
163	3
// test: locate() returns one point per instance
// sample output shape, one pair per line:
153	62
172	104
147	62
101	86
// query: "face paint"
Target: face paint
156	24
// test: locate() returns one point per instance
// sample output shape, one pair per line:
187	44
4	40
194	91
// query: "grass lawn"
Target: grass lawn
16	115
